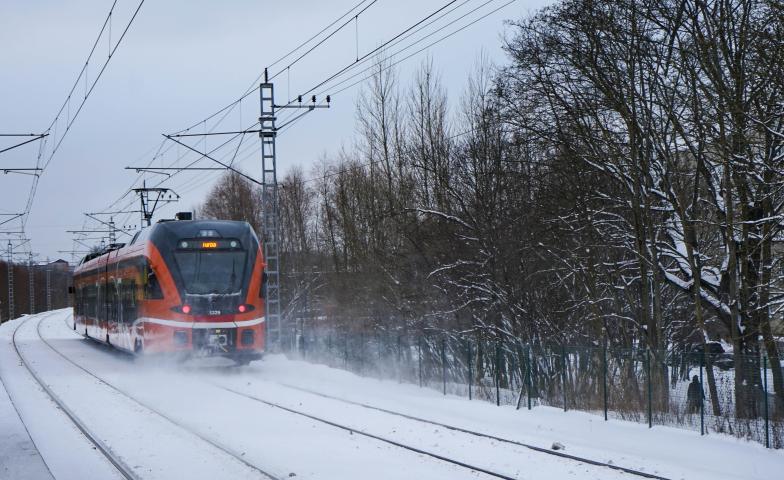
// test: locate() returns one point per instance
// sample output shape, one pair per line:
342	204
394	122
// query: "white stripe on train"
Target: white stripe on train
180	324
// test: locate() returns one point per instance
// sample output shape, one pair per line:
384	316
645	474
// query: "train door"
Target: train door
106	290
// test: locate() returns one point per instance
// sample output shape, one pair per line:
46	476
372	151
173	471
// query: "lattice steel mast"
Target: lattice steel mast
270	233
269	223
31	279
10	281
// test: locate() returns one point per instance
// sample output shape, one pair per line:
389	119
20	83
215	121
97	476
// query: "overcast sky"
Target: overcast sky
181	61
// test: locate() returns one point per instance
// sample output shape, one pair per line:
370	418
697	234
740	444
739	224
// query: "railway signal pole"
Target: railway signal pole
31	278
48	285
10	267
270	235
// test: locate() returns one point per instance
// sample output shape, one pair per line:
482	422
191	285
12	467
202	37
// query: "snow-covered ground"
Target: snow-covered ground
205	421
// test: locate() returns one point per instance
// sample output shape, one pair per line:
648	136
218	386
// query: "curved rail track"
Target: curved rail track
122	392
479	434
124	470
437	456
369	435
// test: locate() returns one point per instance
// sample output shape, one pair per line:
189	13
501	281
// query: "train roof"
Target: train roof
166	232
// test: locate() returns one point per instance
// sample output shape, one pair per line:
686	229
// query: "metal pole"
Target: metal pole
497	374
31	280
702	399
11	300
399	361
604	378
443	362
563	374
470	374
269	225
765	385
650	394
361	353
529	359
419	358
48	286
345	352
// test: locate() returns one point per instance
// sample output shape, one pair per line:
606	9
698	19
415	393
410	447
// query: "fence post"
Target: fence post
563	374
765	385
419	358
529	361
702	397
399	362
443	362
497	374
650	396
345	352
470	373
361	353
604	378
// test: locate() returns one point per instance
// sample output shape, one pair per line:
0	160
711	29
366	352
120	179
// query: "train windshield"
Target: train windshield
211	272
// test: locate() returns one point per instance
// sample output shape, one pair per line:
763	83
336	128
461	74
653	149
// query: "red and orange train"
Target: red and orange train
183	287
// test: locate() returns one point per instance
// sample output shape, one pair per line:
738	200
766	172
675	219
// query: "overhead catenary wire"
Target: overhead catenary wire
255	84
392	41
66	105
238	152
399	37
286	124
331	88
250	90
380	47
323	40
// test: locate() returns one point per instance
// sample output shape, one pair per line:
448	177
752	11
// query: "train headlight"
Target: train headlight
186	309
242	308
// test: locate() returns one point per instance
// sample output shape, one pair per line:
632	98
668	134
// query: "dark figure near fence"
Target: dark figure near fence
694	396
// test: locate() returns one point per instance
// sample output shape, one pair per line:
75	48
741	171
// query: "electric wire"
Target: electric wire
321	42
380	47
330	88
201	179
66	105
255	84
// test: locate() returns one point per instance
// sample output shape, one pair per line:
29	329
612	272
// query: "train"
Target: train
182	288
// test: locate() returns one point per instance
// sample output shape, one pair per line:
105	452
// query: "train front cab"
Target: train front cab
203	292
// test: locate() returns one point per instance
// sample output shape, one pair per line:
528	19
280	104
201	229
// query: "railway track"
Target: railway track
124	470
555	453
630	471
353	430
222	448
368	434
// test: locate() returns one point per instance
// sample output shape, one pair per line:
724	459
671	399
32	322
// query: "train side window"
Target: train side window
152	288
130	312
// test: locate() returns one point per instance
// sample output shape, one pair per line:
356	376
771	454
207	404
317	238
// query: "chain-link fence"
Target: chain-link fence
706	392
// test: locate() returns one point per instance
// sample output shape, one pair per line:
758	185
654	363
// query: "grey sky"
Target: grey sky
181	61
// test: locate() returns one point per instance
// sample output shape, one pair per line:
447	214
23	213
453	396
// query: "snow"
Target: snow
19	458
57	440
284	443
665	451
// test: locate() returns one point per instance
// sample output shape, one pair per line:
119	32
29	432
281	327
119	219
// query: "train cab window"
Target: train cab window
152	287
